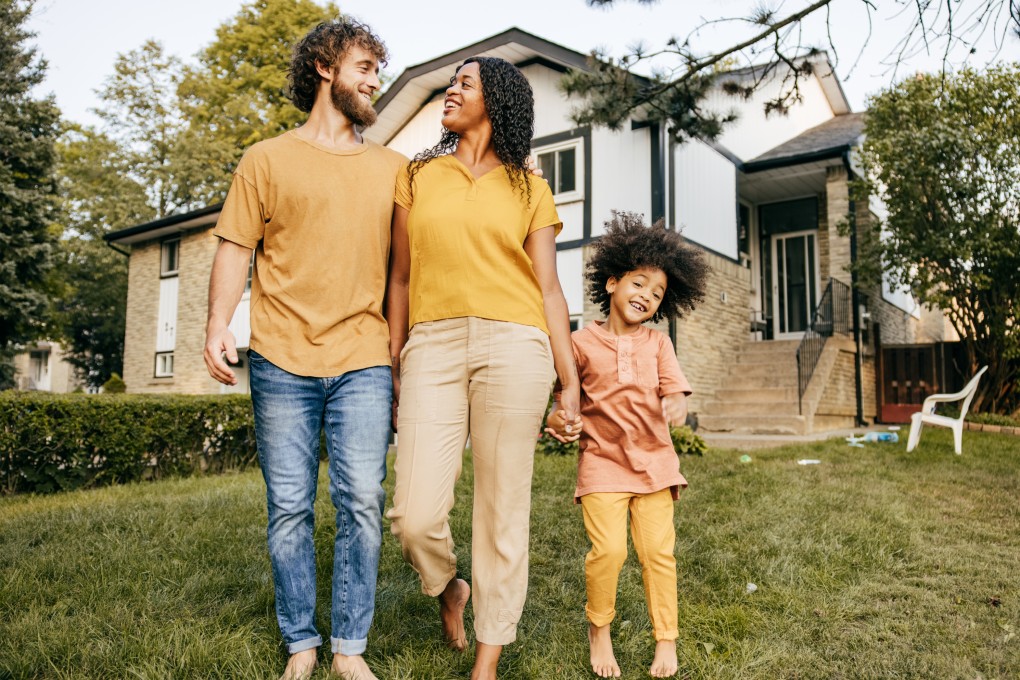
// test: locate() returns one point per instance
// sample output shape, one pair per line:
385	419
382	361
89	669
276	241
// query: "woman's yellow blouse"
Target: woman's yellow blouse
466	237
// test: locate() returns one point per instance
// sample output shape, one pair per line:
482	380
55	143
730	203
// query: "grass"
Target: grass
873	564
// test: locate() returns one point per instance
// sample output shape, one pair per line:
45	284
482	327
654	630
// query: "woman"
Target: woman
473	275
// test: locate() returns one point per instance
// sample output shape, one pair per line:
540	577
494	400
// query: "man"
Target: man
315	204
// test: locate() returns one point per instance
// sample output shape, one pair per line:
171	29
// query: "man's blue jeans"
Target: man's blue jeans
290	413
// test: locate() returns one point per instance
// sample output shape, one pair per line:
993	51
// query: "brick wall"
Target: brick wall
190	376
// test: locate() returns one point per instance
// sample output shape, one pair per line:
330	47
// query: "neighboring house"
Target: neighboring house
41	367
764	201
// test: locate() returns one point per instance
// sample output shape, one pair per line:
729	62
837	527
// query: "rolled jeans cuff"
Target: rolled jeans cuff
302	645
349	647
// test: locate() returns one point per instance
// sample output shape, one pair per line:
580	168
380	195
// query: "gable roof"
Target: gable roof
418	84
827	140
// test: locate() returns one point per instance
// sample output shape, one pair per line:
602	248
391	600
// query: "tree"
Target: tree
236	96
27	130
944	155
774	45
97	195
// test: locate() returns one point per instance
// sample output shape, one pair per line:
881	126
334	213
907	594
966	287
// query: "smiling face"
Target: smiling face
464	106
355	80
635	297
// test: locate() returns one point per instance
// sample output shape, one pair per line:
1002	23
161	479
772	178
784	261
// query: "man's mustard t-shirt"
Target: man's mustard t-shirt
466	237
319	221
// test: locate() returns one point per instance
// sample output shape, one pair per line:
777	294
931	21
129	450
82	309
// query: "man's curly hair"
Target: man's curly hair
327	44
510	105
628	245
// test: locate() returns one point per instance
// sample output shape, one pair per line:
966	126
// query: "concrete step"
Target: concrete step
825	423
740	374
788	347
752	408
754	424
746	393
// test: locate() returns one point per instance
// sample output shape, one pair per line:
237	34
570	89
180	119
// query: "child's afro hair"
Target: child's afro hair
628	245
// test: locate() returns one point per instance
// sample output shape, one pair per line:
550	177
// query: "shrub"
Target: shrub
115	385
58	442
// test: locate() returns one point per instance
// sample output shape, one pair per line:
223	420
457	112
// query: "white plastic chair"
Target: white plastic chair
928	415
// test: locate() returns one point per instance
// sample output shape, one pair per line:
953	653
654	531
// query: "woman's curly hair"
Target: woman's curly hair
628	245
327	44
510	105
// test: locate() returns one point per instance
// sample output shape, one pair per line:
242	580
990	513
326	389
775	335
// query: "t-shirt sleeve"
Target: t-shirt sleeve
671	378
545	214
243	217
402	190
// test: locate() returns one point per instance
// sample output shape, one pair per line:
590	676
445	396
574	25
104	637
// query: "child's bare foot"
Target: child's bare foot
664	664
603	661
301	665
452	602
351	668
486	661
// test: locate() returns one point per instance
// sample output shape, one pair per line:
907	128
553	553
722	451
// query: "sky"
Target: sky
80	39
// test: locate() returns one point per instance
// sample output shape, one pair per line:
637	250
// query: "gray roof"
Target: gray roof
830	138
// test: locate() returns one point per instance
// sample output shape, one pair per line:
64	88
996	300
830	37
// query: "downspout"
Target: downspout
855	299
657	140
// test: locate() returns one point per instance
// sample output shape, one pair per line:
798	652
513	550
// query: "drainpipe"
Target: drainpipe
855	298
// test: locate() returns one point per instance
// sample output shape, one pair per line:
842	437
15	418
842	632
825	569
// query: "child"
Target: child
631	389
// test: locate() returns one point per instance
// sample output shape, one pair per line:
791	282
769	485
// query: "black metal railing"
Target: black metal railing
834	314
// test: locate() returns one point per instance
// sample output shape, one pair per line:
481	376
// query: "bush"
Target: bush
115	385
59	442
993	419
685	441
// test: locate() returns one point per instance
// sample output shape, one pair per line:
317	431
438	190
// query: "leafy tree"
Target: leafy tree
944	155
774	45
236	96
27	130
97	195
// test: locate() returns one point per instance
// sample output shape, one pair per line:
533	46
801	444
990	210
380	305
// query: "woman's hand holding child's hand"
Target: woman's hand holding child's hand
556	426
674	407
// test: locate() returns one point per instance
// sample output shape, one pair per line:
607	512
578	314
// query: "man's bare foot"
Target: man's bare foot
486	661
301	665
452	602
664	664
351	668
603	661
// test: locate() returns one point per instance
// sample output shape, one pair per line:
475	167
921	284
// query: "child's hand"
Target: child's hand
674	407
556	426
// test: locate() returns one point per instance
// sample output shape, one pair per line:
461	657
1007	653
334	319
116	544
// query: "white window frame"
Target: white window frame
164	269
164	365
577	194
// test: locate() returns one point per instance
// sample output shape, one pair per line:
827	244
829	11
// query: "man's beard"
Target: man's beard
350	103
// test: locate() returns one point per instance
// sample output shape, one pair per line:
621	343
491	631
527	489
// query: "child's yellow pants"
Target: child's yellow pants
651	528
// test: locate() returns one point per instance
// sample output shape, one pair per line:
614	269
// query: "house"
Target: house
764	202
41	367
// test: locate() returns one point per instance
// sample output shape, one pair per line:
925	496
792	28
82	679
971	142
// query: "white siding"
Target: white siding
753	133
240	324
572	215
422	131
621	169
569	267
166	323
552	108
706	197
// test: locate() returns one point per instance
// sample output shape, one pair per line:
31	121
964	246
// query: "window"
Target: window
560	168
39	365
169	257
575	322
251	268
164	364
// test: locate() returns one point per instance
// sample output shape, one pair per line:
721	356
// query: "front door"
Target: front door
794	282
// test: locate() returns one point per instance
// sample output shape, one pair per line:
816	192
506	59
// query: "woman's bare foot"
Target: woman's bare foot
486	660
301	665
603	661
664	664
452	602
351	668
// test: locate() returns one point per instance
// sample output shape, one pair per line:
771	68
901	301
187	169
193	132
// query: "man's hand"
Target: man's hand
674	407
221	348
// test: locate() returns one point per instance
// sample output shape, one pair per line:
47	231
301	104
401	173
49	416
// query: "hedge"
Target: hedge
60	442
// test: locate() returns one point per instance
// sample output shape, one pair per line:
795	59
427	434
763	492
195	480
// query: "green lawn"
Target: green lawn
874	564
